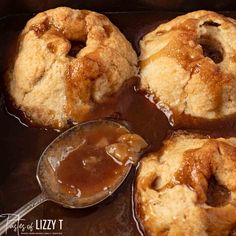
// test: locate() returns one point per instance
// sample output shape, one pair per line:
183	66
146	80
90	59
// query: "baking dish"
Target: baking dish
21	146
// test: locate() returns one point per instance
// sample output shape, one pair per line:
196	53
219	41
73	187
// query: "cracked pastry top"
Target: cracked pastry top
68	61
189	66
188	187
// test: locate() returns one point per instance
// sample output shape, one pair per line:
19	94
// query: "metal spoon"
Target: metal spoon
48	182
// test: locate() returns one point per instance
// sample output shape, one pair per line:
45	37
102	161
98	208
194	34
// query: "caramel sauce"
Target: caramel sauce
21	146
132	108
88	169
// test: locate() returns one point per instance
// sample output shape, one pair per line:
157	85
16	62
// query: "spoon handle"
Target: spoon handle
15	217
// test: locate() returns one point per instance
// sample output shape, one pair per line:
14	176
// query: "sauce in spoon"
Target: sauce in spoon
88	169
88	162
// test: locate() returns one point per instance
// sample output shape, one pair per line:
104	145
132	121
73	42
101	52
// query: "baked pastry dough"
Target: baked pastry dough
52	83
188	187
189	65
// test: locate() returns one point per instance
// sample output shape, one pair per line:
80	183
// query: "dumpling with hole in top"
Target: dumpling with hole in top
188	187
67	62
189	66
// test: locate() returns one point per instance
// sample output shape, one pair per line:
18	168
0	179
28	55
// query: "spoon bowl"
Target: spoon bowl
56	152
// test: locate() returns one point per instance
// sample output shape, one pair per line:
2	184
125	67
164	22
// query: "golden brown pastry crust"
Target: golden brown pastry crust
189	65
171	187
51	86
